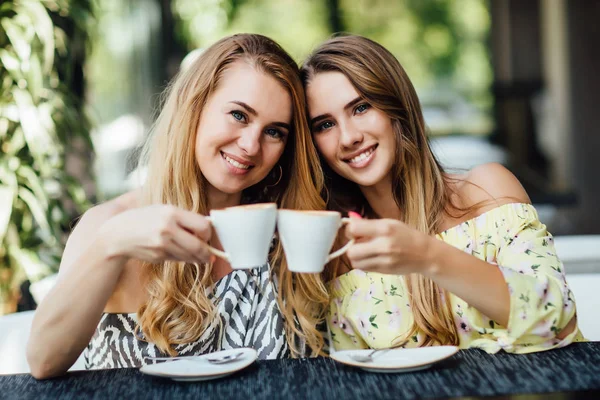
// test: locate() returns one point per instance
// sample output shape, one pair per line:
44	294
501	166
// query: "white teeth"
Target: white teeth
235	163
362	156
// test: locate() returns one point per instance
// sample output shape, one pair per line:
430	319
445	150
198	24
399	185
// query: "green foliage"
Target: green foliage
442	44
297	25
41	120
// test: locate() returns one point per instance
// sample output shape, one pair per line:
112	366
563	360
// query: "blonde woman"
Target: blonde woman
136	279
440	258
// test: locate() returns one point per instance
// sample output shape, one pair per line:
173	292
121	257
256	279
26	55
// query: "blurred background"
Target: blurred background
509	81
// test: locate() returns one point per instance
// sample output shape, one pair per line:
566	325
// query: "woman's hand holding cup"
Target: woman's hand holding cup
158	233
308	236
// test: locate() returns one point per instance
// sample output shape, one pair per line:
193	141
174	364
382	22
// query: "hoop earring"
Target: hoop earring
278	180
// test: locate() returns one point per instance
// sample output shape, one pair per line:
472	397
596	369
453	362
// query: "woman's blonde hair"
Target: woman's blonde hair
178	310
421	188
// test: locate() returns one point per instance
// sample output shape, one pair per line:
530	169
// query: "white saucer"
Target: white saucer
397	360
199	369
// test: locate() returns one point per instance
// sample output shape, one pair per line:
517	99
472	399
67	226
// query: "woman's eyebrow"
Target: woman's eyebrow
320	117
246	106
255	113
350	104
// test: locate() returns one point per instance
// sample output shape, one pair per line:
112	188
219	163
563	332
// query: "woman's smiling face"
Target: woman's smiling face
355	139
243	128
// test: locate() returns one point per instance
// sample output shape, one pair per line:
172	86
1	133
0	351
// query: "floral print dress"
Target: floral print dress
371	310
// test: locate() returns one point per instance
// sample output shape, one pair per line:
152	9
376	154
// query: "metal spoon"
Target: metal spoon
225	359
369	357
213	360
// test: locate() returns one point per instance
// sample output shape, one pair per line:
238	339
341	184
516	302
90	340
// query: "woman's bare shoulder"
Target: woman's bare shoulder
86	227
104	211
488	186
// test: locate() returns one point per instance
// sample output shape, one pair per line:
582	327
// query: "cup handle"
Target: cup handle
345	248
217	252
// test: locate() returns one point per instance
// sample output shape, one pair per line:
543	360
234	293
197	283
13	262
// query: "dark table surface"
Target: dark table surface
569	373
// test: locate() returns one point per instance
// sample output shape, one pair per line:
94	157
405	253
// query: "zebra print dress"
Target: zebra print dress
246	302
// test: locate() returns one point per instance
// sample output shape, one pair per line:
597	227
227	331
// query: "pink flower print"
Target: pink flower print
345	326
543	329
363	324
464	328
511	289
460	232
357	293
523	315
541	290
334	320
519	247
395	317
524	268
337	285
568	306
370	292
567	300
506	342
469	247
507	272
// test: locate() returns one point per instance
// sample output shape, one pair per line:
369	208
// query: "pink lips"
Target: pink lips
232	168
364	162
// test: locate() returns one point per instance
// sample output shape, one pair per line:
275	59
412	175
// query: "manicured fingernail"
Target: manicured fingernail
353	214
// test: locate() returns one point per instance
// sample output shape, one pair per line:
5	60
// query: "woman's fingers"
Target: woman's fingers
373	253
377	264
196	250
369	228
363	250
176	253
195	223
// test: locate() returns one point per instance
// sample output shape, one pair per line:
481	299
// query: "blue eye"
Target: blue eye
324	126
361	108
274	133
239	116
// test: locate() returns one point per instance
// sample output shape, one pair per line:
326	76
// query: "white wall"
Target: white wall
585	288
14	333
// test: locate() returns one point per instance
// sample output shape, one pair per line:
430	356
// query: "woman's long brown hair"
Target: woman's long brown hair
421	189
178	310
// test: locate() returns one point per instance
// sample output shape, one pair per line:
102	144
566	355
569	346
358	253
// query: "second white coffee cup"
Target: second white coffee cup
246	233
307	238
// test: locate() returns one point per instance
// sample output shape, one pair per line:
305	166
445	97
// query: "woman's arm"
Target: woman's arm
107	237
390	246
67	317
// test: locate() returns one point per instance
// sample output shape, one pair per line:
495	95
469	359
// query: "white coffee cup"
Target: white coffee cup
246	233
307	238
